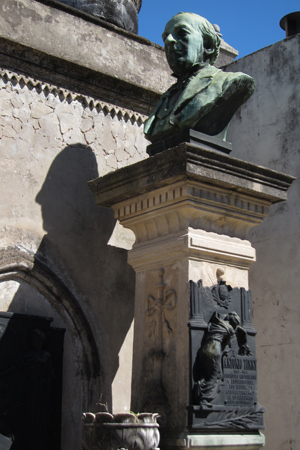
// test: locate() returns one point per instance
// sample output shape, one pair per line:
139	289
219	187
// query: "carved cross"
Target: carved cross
158	306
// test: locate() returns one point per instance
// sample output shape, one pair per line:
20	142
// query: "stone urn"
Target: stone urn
104	431
123	13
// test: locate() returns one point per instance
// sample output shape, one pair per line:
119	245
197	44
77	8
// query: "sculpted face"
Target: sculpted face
183	44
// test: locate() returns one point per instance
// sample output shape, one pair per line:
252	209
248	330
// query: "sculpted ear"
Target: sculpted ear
209	51
209	48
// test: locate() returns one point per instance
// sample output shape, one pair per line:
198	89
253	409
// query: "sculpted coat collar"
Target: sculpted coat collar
204	101
190	87
200	81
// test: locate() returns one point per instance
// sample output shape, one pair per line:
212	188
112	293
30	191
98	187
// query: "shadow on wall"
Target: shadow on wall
75	250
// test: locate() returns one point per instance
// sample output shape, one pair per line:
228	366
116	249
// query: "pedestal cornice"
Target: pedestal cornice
188	162
189	186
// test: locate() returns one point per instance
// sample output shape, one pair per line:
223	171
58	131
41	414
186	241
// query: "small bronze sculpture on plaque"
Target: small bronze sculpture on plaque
223	370
208	364
204	98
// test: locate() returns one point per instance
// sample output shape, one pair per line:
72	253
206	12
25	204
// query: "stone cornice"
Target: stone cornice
26	82
190	187
188	162
175	208
58	34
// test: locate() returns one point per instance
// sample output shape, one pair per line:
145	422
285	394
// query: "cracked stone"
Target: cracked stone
121	154
17	101
107	141
6	108
9	132
90	136
66	122
27	133
111	161
129	148
74	137
87	124
23	114
49	125
39	109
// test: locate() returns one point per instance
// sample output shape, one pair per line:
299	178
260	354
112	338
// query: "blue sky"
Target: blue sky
245	25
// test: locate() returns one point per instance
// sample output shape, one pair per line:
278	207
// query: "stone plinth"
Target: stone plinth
190	209
225	442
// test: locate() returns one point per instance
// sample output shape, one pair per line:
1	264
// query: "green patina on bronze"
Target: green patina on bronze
204	98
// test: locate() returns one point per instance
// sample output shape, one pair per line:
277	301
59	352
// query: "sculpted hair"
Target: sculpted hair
210	36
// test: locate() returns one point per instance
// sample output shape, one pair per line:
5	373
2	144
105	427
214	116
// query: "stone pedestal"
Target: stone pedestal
190	209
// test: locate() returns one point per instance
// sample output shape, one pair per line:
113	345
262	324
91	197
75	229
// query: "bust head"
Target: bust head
204	98
190	40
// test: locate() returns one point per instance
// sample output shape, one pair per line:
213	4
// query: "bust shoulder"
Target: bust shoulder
206	102
240	79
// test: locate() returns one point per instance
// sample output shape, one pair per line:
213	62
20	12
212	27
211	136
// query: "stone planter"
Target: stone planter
104	431
123	13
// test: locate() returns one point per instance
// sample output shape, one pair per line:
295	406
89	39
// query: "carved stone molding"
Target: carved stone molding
233	441
190	186
197	244
188	204
21	82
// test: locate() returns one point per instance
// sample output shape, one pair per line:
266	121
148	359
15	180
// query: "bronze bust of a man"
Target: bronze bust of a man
204	98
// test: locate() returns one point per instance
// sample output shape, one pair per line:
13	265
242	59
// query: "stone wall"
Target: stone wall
52	143
266	132
62	125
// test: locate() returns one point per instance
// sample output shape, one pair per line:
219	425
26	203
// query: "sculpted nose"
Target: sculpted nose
169	40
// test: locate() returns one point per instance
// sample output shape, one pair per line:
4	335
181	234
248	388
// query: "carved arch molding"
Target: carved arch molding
16	264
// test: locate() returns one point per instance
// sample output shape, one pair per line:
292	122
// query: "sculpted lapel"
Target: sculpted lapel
196	85
193	87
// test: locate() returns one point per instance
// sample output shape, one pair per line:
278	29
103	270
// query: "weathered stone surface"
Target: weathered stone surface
121	13
196	163
32	23
53	141
266	132
31	26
